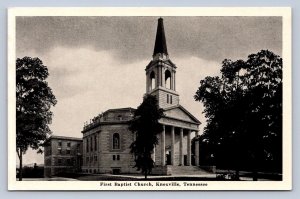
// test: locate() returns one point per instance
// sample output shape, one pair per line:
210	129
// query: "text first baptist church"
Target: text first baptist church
107	139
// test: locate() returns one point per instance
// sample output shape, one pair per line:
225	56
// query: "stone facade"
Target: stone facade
62	155
106	143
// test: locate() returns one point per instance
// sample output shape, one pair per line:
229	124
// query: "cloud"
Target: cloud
132	38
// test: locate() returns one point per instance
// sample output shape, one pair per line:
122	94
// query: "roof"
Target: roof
64	138
101	118
192	119
160	41
154	62
120	109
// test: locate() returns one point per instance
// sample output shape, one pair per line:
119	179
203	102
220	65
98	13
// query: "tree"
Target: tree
243	108
145	126
34	99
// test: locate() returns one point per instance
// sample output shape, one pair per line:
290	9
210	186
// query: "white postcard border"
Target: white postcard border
285	12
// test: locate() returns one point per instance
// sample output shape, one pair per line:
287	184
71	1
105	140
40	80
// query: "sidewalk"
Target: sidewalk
139	176
49	179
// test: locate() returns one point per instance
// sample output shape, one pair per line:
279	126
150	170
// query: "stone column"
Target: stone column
158	76
197	149
147	83
189	149
181	148
174	81
163	147
172	145
163	77
153	154
171	81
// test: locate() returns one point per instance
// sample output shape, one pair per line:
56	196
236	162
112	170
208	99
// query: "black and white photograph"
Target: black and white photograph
149	99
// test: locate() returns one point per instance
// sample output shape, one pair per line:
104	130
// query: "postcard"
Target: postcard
149	98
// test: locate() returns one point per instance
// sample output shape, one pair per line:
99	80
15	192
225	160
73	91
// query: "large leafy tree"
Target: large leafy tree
34	99
145	126
243	108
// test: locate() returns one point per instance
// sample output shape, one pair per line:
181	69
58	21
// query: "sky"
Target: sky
98	63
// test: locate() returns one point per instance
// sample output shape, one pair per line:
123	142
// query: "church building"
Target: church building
107	140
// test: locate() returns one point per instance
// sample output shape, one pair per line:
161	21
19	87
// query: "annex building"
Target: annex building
62	155
106	140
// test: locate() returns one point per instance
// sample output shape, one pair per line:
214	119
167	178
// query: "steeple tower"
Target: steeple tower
160	46
161	71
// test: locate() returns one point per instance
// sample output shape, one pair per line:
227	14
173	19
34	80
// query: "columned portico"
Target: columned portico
175	146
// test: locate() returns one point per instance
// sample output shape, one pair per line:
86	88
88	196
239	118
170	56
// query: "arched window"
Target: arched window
152	79
116	141
168	79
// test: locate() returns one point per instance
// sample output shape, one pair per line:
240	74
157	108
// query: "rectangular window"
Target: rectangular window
68	151
59	143
95	139
59	161
68	162
114	157
78	148
59	151
168	98
118	157
87	159
91	144
96	158
69	144
87	145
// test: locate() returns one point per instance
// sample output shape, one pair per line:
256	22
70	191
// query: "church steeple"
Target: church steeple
160	41
161	72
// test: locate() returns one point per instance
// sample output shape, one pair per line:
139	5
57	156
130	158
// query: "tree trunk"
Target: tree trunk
20	166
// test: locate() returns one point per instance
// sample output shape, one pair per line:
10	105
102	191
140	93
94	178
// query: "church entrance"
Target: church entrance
168	157
185	160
